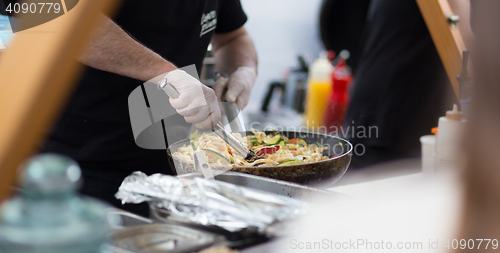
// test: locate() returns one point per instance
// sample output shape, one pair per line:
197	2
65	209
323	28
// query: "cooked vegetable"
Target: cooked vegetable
282	144
299	141
273	140
291	162
302	143
216	154
282	151
254	141
268	151
194	135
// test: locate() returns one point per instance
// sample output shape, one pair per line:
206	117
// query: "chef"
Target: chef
404	96
147	39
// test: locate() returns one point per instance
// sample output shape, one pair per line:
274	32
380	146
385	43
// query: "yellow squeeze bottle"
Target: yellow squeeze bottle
319	86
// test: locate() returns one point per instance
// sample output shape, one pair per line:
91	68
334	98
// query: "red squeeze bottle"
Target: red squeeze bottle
339	99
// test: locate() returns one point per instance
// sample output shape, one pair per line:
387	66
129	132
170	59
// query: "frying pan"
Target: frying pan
318	174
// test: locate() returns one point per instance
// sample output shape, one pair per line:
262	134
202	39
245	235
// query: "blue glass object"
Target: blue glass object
5	30
47	216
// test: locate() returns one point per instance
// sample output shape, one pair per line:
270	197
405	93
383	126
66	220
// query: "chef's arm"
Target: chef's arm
111	49
235	54
233	50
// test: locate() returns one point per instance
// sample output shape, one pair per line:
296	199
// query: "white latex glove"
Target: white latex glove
239	86
197	103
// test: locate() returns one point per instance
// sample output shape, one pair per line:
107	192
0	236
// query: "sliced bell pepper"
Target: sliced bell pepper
268	150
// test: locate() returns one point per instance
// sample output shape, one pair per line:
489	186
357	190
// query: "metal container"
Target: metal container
126	219
248	236
161	238
241	238
138	234
283	188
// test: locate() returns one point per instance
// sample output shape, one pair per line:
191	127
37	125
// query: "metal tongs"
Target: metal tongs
218	128
231	109
201	165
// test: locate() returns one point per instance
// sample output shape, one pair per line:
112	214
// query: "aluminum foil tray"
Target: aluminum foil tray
249	236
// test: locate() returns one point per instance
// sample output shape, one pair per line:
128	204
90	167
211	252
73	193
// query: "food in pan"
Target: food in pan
271	150
218	249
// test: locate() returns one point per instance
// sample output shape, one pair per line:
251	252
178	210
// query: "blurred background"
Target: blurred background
400	87
281	31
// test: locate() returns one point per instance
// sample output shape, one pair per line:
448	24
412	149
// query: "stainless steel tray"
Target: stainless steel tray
284	188
137	234
124	219
161	238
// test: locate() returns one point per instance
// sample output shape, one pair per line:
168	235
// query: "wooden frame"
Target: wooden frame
36	75
446	36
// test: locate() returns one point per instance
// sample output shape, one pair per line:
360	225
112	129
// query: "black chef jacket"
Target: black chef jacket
95	129
400	86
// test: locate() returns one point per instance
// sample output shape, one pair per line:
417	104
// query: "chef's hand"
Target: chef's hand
197	103
239	85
